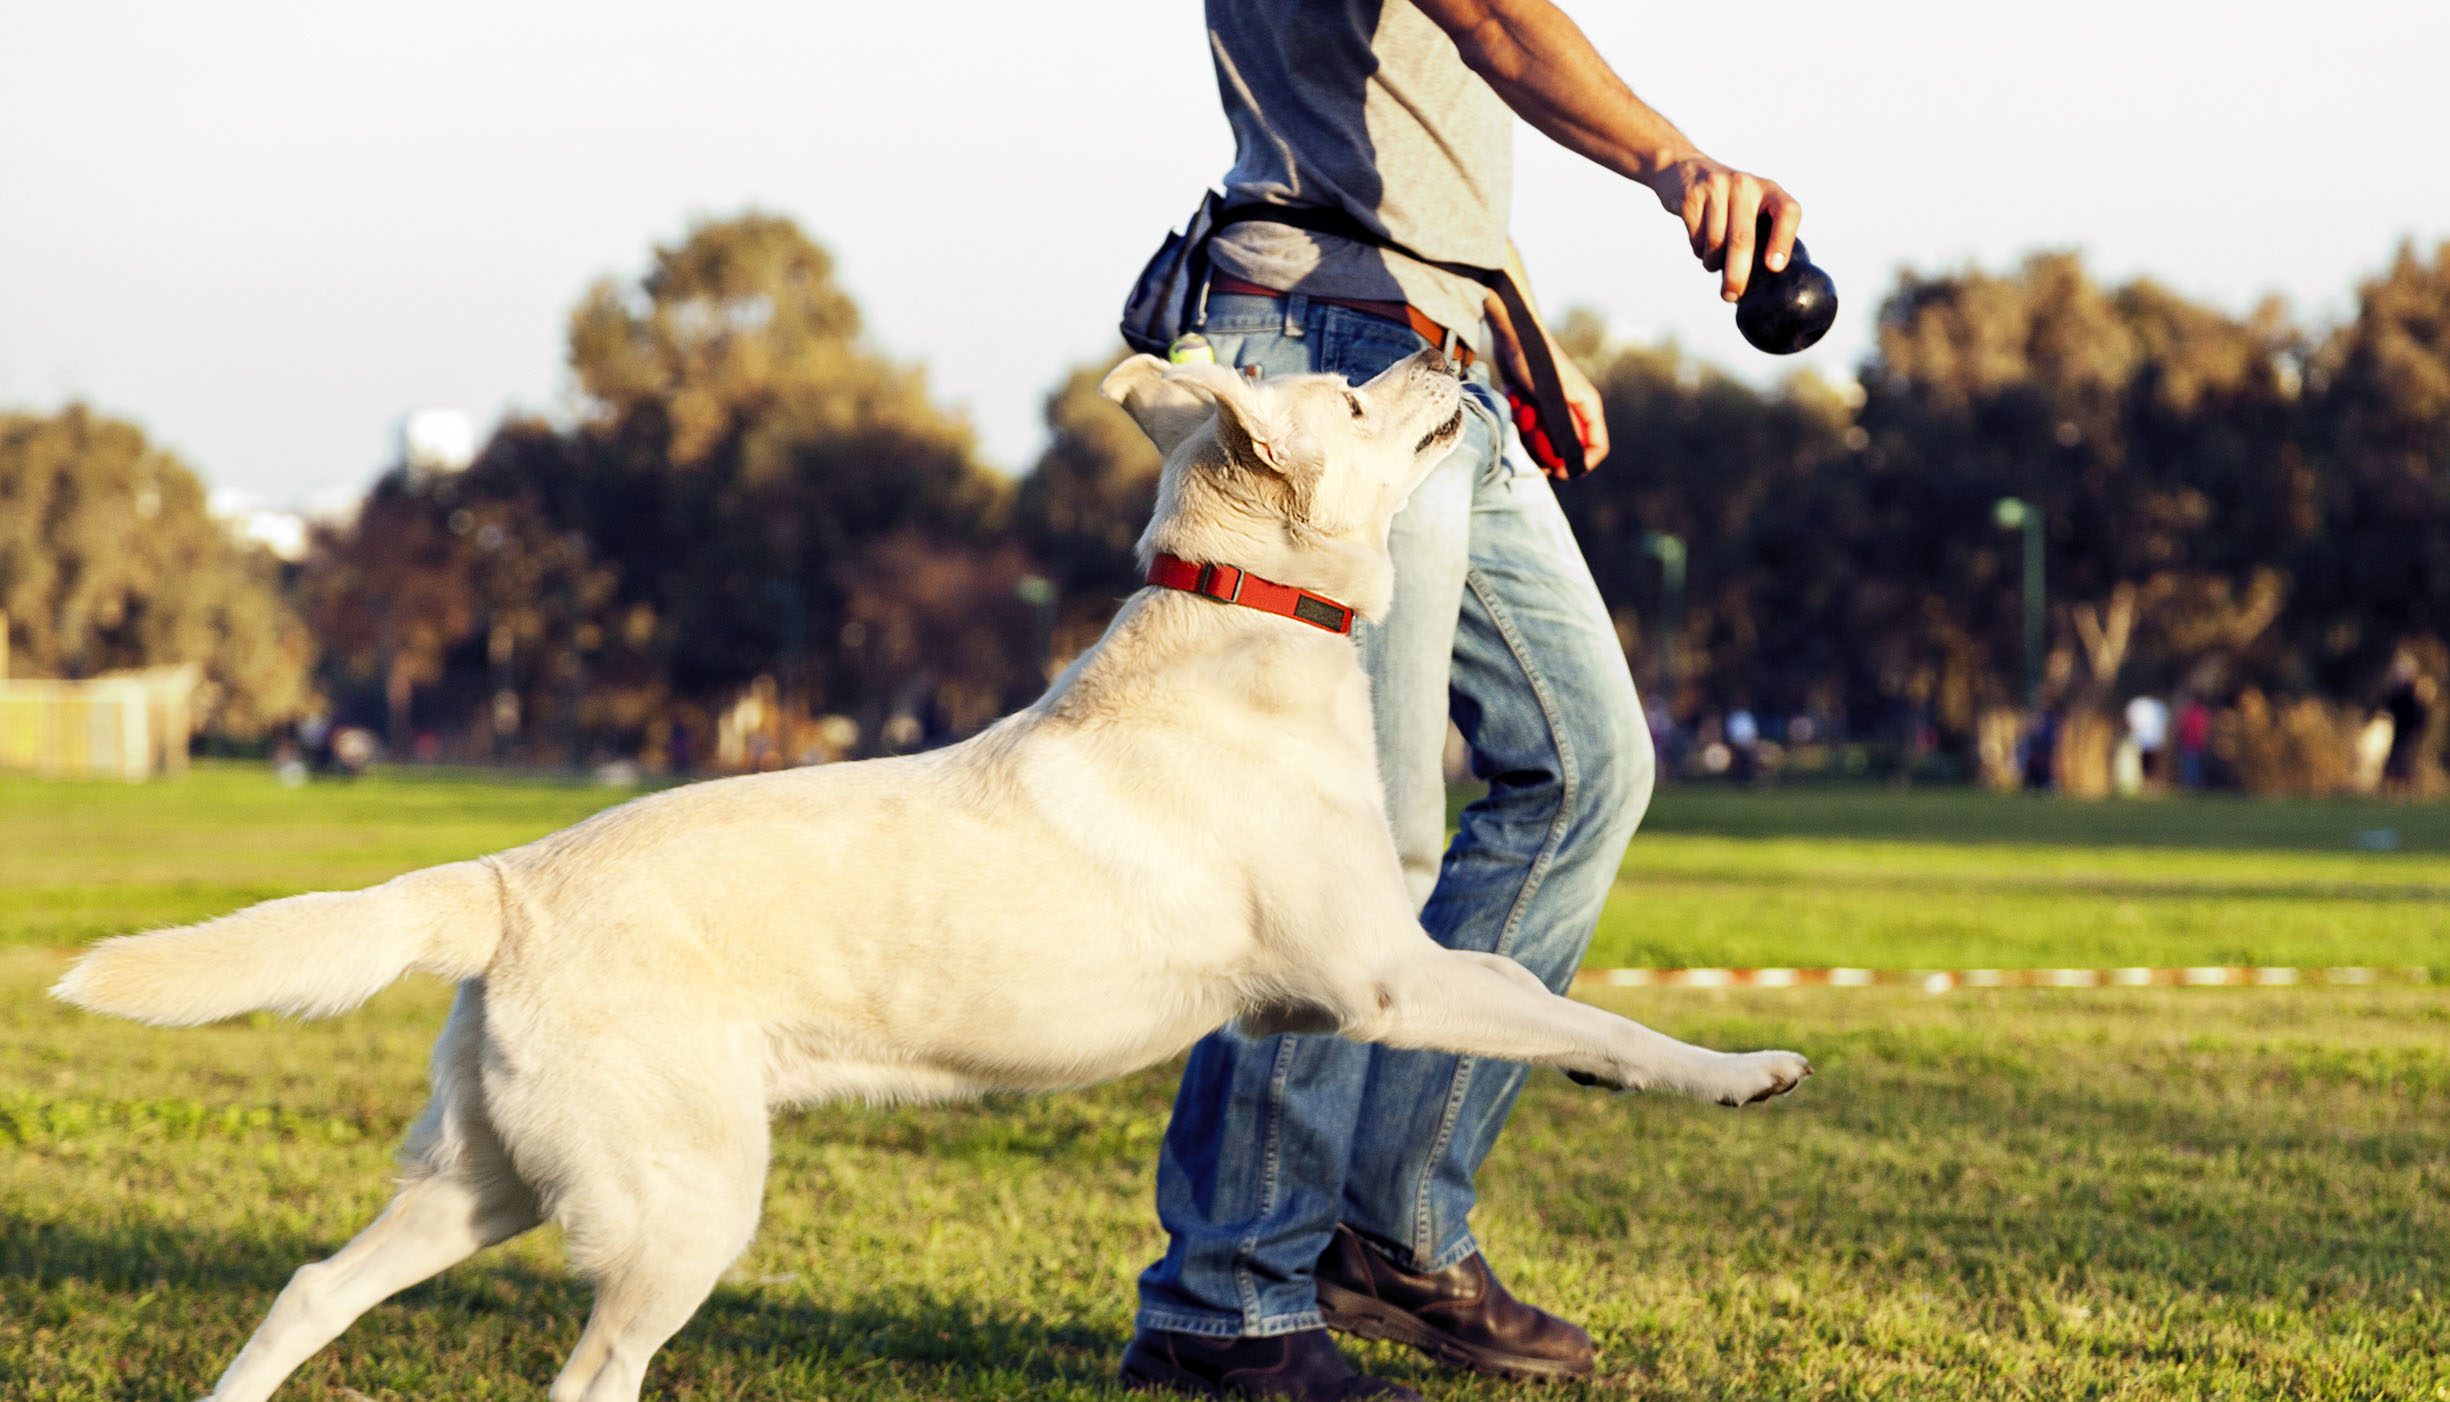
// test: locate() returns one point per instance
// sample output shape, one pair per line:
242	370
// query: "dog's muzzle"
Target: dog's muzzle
1443	433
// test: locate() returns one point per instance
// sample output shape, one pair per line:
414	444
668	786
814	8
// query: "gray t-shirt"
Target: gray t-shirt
1364	106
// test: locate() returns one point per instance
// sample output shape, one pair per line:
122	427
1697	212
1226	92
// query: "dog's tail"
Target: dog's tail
310	956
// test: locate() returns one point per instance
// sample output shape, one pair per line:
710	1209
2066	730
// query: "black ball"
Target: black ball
1783	312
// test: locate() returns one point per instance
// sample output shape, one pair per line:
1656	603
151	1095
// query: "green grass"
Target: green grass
81	860
2145	1193
1940	879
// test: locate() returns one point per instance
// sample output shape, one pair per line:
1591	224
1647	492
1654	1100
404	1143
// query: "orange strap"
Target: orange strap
1404	312
1228	585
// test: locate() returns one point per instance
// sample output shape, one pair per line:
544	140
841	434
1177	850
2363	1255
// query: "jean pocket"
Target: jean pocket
1240	314
1361	345
1506	455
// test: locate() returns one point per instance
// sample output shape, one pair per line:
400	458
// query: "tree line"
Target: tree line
756	519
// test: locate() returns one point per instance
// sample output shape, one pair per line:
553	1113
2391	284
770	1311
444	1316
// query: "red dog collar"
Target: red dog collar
1228	585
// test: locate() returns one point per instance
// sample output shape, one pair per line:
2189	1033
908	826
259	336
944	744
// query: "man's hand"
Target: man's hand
1581	396
1721	208
1590	415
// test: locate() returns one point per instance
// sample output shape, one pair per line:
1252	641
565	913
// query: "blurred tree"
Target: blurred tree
1721	466
743	466
475	592
743	445
2149	433
2377	434
752	491
109	560
388	595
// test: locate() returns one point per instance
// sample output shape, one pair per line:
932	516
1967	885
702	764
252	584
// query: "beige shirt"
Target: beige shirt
1363	106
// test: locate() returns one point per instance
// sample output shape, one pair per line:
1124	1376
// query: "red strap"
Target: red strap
1228	585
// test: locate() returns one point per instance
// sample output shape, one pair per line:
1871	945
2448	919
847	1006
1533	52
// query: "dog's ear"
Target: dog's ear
1167	412
1170	402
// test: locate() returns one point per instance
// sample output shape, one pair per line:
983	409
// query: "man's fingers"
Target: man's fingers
1714	226
1735	221
1743	210
1786	218
1594	437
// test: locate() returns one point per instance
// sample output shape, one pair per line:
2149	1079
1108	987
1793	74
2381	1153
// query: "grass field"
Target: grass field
2143	1193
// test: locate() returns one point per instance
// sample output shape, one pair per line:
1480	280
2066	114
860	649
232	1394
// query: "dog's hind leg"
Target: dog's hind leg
461	1195
655	1211
434	1223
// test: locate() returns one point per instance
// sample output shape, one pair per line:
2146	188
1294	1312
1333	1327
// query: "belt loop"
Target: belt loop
1448	349
1297	311
1199	305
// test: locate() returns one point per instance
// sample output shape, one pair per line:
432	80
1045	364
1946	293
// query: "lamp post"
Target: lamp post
1668	550
2012	514
792	695
1037	591
786	597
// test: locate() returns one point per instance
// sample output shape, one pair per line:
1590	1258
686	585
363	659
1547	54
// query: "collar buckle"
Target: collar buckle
1207	583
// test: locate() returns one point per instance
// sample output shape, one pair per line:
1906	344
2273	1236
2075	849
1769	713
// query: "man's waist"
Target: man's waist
1356	264
1422	323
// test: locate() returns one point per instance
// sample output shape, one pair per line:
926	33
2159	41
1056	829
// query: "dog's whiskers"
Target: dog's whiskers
1448	429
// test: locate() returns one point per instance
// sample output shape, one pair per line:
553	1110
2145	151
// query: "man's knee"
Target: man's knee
1618	773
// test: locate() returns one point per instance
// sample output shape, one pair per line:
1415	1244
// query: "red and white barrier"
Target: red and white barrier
1942	980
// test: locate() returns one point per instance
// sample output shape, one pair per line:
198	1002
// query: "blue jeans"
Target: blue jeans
1497	624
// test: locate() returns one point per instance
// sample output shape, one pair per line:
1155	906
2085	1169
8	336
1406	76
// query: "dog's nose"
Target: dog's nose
1435	360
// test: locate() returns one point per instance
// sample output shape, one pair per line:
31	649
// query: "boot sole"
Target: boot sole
1351	1313
1143	1373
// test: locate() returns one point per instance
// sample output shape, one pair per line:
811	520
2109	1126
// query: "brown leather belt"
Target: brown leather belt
1404	312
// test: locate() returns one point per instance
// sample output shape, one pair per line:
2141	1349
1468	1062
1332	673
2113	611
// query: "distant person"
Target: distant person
1666	737
2194	743
2409	705
2369	755
320	737
1302	1177
353	750
289	762
1922	743
1743	745
683	748
2126	768
2148	727
2041	752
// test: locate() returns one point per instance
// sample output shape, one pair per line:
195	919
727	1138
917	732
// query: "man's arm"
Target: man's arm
1541	65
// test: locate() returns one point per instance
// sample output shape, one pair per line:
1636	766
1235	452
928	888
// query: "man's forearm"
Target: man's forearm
1539	63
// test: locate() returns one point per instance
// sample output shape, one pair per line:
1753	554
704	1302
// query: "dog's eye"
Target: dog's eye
1352	401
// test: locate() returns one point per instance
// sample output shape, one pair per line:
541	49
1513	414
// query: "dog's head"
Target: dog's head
1295	478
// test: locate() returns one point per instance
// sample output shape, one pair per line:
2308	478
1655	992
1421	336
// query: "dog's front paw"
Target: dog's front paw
1744	1078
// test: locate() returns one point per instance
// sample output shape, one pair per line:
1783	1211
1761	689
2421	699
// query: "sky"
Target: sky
267	231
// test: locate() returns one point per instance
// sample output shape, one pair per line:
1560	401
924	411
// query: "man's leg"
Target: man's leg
1250	1179
1544	699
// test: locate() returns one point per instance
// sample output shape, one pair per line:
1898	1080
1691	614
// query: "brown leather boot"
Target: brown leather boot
1460	1316
1305	1367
